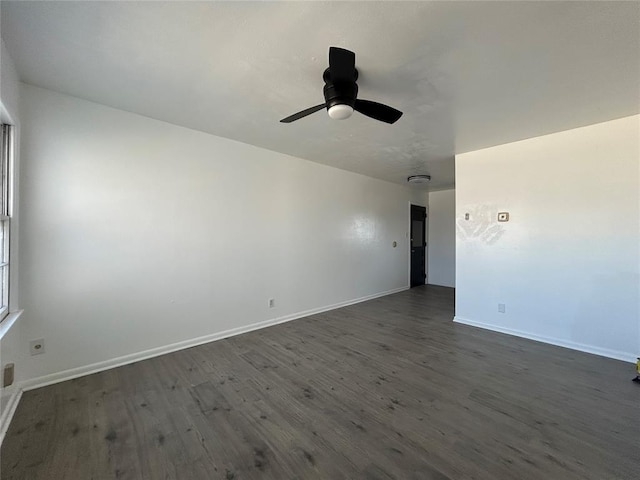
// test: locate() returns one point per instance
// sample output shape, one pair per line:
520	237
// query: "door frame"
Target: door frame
426	241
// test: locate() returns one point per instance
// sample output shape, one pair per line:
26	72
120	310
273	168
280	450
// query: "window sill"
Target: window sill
8	322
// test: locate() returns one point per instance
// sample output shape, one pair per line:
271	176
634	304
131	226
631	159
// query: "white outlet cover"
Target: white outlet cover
503	216
36	347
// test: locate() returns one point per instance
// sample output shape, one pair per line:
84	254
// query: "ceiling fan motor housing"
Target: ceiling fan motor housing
339	93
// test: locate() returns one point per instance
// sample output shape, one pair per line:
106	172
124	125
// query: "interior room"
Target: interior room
320	240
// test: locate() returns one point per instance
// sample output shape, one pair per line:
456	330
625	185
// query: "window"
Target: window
5	216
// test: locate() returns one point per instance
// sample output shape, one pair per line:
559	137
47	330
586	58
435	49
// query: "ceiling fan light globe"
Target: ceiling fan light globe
340	111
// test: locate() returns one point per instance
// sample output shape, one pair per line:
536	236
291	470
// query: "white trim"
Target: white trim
9	411
603	352
8	322
154	352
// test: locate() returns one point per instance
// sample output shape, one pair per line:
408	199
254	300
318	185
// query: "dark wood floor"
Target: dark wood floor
387	389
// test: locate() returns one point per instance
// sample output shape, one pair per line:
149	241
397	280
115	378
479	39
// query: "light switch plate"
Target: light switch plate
503	216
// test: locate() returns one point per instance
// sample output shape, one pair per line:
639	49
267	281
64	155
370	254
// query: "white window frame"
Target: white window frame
6	163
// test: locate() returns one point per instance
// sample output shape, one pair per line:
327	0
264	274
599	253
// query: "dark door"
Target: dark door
418	245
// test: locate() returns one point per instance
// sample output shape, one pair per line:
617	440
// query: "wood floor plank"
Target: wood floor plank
386	389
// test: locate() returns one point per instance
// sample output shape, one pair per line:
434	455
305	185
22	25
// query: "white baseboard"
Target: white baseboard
603	352
9	410
154	352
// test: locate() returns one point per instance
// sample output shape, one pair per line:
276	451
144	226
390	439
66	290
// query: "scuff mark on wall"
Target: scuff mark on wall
481	224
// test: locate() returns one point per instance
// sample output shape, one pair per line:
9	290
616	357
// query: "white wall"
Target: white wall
566	265
442	238
138	234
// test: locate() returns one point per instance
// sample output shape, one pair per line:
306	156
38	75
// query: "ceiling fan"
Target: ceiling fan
341	91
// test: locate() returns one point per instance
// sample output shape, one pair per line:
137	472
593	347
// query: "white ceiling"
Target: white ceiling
467	75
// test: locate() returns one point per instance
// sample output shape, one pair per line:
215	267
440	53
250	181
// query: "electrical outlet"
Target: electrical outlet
501	308
36	347
272	302
503	216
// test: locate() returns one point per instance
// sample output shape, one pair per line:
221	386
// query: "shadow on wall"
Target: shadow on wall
479	222
597	320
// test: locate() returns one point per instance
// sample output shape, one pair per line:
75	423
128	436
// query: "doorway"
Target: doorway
418	245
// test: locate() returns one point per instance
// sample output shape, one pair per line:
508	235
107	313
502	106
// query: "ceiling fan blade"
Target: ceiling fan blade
342	65
377	111
303	113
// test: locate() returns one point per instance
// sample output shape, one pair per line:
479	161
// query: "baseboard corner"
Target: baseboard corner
10	410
